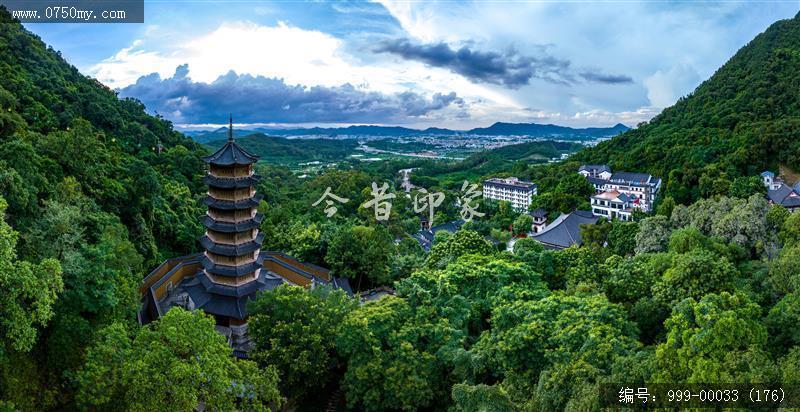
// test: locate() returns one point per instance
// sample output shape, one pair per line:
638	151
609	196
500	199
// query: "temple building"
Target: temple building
233	268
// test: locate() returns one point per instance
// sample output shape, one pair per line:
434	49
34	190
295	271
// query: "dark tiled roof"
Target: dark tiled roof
539	213
227	301
231	183
231	205
512	184
451	227
565	231
784	196
596	181
232	271
343	284
425	237
631	177
231	154
225	227
595	168
232	250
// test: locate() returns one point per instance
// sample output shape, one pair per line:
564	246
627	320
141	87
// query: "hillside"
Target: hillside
512	158
74	127
549	130
280	150
88	183
741	121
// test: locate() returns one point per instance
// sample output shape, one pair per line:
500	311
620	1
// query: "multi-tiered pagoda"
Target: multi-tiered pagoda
232	262
233	268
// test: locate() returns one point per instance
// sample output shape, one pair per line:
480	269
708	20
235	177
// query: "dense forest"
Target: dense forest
94	193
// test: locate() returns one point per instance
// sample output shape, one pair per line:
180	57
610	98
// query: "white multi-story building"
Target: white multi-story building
620	191
612	205
518	192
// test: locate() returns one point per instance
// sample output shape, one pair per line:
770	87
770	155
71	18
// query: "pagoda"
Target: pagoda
232	268
232	263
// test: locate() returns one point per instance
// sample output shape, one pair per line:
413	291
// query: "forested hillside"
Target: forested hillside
280	150
96	192
741	121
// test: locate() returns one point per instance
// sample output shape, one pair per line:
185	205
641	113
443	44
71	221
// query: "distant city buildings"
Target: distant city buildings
518	192
618	194
780	193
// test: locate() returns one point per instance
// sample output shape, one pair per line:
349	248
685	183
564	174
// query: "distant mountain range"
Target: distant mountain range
497	129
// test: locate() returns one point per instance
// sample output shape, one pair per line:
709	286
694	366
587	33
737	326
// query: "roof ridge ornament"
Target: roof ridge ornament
230	127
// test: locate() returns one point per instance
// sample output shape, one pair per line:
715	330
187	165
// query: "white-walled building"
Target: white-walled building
612	205
539	220
518	192
619	193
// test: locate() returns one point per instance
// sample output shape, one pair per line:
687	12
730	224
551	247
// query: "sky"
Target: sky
455	64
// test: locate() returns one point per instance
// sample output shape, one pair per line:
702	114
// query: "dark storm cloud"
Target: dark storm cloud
509	68
597	77
257	99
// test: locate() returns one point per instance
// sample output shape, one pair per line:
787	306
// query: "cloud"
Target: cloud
597	77
256	99
664	87
297	55
510	68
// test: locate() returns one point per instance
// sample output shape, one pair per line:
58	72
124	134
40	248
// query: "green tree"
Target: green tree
629	279
397	356
522	224
175	363
746	186
294	330
790	232
568	339
527	245
622	237
665	207
27	292
481	398
686	240
358	252
694	274
461	243
776	216
653	234
781	323
783	271
717	339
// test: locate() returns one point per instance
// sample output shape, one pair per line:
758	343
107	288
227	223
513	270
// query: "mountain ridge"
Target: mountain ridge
496	129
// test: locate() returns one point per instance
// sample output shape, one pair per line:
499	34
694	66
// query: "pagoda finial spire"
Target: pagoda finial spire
230	127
